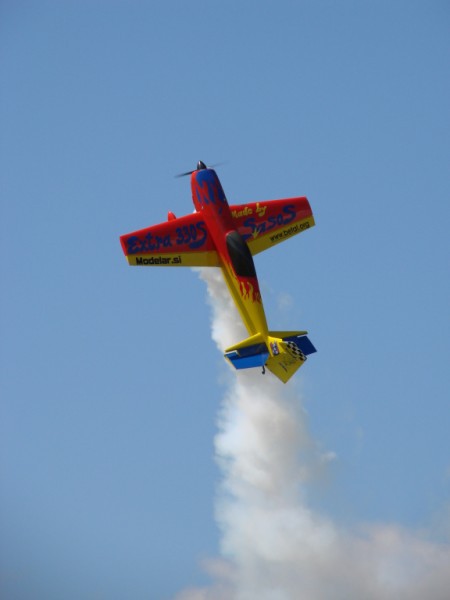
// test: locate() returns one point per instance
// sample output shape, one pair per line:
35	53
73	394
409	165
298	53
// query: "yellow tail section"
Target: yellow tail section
258	338
286	334
285	360
281	356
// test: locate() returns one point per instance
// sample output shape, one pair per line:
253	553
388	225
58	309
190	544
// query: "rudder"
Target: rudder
286	360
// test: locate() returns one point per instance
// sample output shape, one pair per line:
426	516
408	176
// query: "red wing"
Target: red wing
265	224
177	242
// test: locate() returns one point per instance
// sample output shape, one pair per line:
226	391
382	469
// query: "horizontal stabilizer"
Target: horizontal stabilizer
299	338
286	334
251	352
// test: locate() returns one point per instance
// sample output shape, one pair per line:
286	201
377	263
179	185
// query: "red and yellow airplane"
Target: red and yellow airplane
219	235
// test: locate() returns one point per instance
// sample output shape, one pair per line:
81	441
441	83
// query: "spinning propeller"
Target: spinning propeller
200	165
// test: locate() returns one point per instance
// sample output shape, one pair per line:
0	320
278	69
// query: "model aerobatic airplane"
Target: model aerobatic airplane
219	235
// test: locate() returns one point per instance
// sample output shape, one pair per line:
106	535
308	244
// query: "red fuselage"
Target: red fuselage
237	262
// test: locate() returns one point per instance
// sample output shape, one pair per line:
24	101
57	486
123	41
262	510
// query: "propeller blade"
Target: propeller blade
184	174
200	165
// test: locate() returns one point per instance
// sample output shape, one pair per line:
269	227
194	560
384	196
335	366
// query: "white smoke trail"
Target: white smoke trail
274	547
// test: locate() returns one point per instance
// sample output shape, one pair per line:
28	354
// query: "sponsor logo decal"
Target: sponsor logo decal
284	217
158	260
274	348
290	231
191	236
247	210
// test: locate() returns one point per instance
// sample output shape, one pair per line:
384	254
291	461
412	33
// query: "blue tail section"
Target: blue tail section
254	351
249	356
303	343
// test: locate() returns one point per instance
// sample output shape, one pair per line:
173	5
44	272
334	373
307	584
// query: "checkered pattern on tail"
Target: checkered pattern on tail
295	351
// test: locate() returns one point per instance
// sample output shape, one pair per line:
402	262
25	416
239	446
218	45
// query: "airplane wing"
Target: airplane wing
182	242
265	224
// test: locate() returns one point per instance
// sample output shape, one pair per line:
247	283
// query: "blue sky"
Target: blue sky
111	383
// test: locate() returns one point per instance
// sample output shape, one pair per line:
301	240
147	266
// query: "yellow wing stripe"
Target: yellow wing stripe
260	242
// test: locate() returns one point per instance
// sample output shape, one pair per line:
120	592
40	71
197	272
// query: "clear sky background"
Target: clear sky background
110	382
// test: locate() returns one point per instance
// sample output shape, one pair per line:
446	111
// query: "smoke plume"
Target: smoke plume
274	546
